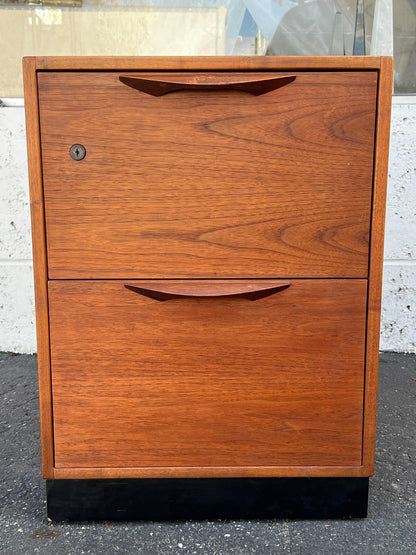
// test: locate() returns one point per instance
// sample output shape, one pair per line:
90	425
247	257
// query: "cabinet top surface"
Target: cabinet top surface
204	62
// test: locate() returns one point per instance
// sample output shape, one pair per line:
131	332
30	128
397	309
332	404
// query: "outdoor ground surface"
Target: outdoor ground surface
389	529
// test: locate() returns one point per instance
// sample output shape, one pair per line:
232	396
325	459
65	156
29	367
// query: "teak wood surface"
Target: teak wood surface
376	259
207	381
40	269
205	63
381	69
208	184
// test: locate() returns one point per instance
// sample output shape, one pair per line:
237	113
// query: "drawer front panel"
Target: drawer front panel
197	381
208	183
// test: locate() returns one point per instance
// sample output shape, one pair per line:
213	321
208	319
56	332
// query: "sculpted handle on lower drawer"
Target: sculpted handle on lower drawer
202	289
158	86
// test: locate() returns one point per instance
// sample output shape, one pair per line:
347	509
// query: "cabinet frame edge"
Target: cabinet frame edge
170	472
40	269
375	270
206	63
33	64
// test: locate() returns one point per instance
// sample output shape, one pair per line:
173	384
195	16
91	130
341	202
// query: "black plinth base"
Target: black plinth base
207	498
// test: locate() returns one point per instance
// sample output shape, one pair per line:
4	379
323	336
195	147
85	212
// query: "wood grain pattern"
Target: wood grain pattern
376	259
320	229
201	63
39	262
211	472
215	184
207	382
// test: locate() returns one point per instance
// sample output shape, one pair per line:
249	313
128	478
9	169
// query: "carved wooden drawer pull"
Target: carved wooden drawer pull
158	86
184	289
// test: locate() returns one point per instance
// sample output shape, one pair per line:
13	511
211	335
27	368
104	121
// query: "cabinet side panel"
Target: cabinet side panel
39	261
376	258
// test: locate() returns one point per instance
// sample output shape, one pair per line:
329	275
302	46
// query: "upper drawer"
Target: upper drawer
208	181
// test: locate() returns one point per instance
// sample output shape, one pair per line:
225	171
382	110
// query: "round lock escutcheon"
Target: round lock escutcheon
77	152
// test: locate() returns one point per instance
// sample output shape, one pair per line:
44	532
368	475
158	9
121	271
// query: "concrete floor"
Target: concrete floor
390	528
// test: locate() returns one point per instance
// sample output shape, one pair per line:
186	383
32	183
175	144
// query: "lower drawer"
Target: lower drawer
199	375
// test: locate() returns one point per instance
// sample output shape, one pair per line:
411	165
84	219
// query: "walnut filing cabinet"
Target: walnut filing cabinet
208	241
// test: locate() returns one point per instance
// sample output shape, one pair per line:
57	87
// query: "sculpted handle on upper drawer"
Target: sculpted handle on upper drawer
160	85
203	289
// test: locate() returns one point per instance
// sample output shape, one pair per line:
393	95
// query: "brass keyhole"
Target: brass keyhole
77	152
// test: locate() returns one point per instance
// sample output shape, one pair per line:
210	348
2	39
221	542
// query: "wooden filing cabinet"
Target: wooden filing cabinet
208	275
